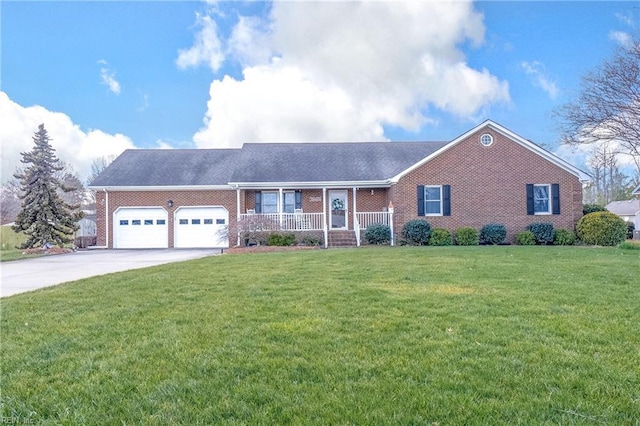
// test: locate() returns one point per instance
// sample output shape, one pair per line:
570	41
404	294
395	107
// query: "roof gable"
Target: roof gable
512	136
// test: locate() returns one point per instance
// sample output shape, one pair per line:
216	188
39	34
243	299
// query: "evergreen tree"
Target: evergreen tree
44	216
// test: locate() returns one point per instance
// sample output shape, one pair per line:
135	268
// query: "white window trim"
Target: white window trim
425	200
490	139
549	200
279	205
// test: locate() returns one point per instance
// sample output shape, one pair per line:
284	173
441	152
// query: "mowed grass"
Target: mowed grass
407	335
9	240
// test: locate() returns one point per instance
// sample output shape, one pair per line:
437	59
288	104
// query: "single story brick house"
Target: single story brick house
189	197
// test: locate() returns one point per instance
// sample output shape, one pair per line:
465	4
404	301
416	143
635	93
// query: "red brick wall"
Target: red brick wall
226	198
488	185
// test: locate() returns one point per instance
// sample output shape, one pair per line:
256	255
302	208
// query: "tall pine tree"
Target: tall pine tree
44	217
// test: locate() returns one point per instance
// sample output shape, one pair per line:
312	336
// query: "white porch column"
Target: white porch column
356	222
238	214
106	217
324	218
391	222
280	206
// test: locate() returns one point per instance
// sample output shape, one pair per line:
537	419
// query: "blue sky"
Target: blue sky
104	76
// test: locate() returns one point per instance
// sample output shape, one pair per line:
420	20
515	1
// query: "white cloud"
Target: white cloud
343	70
72	145
627	19
108	77
535	70
620	37
207	48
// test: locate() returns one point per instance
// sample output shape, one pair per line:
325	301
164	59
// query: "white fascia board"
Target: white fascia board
582	176
164	188
302	185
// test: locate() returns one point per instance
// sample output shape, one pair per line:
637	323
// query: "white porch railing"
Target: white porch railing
283	221
369	218
366	219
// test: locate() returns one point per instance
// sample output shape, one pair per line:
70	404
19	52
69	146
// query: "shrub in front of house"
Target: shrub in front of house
278	239
543	232
416	232
440	237
378	233
467	236
602	229
493	233
310	240
526	238
590	208
564	237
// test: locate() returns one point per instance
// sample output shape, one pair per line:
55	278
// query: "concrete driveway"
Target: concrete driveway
20	276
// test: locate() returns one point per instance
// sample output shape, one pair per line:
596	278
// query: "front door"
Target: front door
338	205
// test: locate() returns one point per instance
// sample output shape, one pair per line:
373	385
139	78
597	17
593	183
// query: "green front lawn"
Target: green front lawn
407	335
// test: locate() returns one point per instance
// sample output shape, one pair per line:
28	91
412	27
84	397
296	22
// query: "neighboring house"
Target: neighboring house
85	236
185	198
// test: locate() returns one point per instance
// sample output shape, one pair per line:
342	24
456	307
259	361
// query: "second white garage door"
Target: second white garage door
202	227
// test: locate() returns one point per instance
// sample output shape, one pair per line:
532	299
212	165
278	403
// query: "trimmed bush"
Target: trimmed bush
564	237
378	233
526	238
493	233
310	240
543	232
590	208
602	229
416	232
629	245
277	239
466	236
440	237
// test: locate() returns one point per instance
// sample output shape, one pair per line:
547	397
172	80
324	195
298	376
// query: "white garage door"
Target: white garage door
201	227
140	227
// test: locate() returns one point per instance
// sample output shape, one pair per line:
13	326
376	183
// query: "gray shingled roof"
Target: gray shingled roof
265	162
169	167
328	162
623	208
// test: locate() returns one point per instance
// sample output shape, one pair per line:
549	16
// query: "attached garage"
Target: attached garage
201	227
140	227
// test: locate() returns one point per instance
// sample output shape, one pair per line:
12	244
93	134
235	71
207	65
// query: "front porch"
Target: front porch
299	221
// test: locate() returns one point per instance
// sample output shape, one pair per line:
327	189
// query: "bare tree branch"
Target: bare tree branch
608	107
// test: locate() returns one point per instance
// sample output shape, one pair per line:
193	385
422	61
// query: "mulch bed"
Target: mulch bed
52	250
267	249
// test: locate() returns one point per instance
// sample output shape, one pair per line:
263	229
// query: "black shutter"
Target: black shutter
555	198
420	200
530	209
298	200
258	202
446	200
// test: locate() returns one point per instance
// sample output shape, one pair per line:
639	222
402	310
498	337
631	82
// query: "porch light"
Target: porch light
169	203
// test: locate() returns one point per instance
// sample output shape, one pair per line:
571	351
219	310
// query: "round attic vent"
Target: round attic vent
486	139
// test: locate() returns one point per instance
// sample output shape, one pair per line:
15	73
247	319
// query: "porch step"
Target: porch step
342	239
